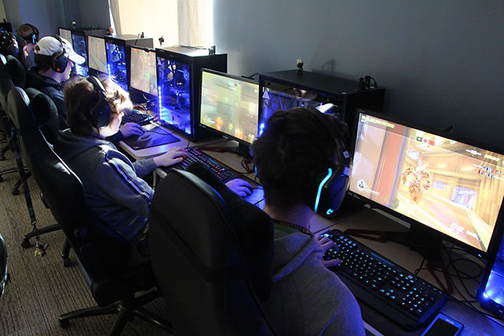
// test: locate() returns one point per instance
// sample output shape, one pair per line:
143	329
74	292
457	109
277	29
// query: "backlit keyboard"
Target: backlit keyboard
388	288
222	172
136	117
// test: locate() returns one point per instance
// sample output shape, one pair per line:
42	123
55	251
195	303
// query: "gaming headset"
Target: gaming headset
33	37
328	183
100	113
59	60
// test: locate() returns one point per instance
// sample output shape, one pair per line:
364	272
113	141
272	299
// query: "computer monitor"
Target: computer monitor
117	58
230	107
97	55
80	47
282	95
143	72
445	187
65	33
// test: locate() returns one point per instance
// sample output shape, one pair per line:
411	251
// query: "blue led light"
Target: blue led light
321	185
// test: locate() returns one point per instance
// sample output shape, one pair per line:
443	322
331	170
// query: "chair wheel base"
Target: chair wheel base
25	243
64	323
15	191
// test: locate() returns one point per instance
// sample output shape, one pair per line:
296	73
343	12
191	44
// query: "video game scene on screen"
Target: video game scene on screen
229	106
97	54
143	71
174	93
447	185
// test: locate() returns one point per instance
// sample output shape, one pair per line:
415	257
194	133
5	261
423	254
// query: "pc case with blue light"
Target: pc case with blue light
179	85
118	55
491	290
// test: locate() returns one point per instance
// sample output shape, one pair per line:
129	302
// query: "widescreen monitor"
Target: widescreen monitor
451	187
230	106
66	34
143	70
79	46
117	67
97	55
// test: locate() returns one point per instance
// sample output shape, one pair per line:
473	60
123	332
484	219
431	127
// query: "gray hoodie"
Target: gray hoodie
113	185
307	298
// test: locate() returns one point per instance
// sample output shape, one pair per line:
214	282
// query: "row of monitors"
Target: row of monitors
427	177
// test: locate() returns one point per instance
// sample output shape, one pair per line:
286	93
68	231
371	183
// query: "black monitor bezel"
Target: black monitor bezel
499	224
242	143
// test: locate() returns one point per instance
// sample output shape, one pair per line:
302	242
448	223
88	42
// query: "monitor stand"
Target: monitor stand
418	239
242	150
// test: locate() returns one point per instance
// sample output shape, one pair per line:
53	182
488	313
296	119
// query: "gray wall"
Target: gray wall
441	61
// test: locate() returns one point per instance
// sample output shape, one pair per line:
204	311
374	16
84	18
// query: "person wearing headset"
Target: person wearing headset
55	60
27	36
113	184
299	154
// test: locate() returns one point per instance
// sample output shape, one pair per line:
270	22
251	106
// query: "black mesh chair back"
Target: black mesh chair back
101	252
198	260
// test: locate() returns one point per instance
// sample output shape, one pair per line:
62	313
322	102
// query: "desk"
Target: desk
475	323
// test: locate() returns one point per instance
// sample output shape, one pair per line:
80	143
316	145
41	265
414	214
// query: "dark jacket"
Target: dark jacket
51	88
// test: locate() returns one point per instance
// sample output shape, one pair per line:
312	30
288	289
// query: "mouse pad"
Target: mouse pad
151	138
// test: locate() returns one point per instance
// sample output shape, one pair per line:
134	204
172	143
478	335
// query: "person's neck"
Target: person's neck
51	74
300	215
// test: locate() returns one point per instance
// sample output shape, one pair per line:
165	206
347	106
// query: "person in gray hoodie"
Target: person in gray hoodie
113	184
306	297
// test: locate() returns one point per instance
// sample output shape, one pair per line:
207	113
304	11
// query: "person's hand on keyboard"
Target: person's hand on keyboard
129	129
240	187
326	244
172	156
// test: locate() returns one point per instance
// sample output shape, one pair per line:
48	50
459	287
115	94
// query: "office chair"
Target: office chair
198	258
100	252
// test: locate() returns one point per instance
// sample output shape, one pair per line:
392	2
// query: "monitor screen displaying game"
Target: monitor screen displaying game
143	72
229	105
97	55
117	67
429	178
79	46
66	34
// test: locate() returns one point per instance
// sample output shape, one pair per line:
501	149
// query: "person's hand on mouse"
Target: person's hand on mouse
172	156
131	128
239	187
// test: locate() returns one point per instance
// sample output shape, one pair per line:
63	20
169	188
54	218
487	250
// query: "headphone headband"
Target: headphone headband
100	113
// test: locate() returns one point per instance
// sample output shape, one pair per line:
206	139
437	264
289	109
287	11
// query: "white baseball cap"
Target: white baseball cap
50	45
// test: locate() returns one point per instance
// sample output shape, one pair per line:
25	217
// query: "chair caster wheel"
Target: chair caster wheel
15	192
1	178
67	262
25	243
64	323
2	158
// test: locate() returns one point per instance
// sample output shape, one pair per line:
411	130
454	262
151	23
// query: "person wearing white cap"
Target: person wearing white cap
55	59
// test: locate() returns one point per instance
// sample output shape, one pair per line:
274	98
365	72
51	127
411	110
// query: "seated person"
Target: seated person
27	36
306	297
113	184
55	60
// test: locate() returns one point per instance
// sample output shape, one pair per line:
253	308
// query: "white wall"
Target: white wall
2	12
441	61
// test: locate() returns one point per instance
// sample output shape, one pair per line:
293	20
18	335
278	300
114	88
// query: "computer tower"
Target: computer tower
284	90
118	56
179	86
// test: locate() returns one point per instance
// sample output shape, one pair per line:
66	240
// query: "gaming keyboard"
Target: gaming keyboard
388	288
220	170
136	117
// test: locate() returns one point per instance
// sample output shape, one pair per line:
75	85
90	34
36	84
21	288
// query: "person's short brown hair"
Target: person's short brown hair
81	97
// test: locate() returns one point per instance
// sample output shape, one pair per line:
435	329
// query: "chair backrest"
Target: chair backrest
198	261
16	71
102	251
5	86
